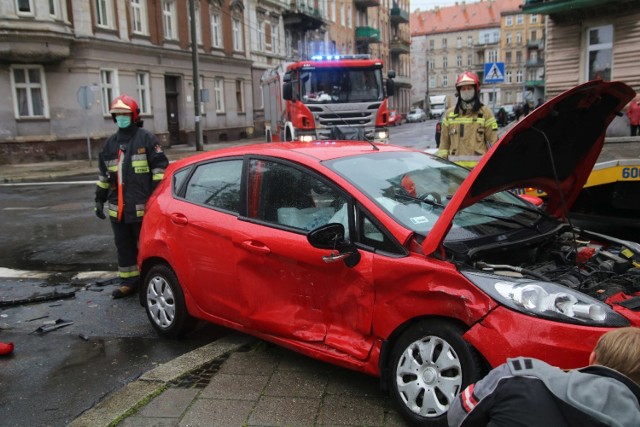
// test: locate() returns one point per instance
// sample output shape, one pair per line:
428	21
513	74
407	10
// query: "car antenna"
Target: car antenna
563	202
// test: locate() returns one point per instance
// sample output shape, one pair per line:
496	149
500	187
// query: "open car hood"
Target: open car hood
562	138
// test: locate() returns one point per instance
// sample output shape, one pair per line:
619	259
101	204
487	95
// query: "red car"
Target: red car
394	262
395	119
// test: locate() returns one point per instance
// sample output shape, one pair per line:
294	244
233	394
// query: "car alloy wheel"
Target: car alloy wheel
430	366
164	303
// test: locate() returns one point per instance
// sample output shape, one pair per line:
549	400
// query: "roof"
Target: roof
461	17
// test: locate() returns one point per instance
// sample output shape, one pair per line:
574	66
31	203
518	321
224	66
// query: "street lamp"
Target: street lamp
196	75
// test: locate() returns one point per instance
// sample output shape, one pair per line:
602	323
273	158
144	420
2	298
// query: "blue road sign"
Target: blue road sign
494	72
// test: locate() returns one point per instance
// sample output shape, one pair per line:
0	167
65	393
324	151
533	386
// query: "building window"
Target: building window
343	14
533	19
519	57
109	88
349	16
104	13
519	38
268	37
508	21
469	41
29	91
459	61
459	43
493	56
445	62
519	76
508	38
508	76
534	35
139	17
216	30
599	52
432	44
169	20
444	43
486	38
469	60
445	81
240	96
432	81
260	30
432	64
508	57
218	89
519	19
25	7
237	35
144	92
55	10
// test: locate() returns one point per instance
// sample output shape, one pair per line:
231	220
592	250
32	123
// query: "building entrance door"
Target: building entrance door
173	117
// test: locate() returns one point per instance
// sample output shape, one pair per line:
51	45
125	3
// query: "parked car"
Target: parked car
394	262
511	112
416	115
395	119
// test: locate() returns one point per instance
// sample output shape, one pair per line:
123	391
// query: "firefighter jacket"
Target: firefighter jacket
131	165
528	392
465	138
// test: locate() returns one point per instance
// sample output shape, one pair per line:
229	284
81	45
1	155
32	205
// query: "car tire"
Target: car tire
164	303
423	389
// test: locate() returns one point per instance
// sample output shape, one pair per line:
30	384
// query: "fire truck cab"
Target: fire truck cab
327	98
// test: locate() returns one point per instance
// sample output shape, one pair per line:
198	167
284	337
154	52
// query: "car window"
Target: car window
178	180
285	195
216	184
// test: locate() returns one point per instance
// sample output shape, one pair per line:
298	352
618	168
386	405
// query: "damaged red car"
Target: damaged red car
394	262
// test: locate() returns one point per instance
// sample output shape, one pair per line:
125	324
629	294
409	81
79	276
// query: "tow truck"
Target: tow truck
335	97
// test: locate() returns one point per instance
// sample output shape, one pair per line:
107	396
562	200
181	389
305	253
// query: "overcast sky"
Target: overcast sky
430	4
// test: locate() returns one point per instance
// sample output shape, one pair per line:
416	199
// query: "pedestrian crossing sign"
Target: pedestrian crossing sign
494	72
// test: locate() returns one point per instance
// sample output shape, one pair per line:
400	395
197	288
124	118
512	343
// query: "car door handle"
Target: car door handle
256	247
178	218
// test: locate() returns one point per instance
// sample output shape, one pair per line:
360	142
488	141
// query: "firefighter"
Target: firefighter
131	165
469	129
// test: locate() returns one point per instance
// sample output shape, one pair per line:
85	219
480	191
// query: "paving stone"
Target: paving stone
138	421
348	410
170	404
285	411
238	387
354	383
297	383
254	362
217	413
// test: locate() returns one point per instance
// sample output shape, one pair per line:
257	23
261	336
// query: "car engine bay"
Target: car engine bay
594	264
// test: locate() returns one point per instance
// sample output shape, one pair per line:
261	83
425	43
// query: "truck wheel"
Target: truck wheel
430	365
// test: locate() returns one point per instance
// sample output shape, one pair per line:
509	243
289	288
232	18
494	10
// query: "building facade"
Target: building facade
588	40
63	61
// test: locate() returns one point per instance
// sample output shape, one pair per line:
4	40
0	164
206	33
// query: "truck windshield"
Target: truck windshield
335	85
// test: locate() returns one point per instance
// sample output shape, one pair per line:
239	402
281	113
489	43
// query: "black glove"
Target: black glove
99	208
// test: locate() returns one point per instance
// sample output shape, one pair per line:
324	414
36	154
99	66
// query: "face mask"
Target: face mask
467	94
123	121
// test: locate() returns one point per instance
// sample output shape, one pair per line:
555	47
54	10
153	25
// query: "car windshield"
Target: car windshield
336	85
413	188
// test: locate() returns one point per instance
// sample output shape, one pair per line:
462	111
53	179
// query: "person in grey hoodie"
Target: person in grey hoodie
528	392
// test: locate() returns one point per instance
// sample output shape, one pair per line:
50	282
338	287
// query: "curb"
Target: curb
116	406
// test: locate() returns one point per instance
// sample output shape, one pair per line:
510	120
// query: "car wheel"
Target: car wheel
164	303
430	365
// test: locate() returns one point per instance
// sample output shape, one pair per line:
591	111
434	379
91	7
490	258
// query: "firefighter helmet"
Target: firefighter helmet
124	104
468	78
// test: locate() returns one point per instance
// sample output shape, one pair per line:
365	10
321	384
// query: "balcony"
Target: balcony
399	16
302	17
534	83
399	46
402	81
535	44
534	63
366	3
367	34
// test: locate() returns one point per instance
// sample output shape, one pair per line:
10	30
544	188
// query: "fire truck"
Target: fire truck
333	97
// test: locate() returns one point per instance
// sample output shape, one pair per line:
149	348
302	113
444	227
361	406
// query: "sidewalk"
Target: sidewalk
29	172
242	381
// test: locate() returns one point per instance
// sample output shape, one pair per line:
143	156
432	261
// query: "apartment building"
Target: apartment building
522	47
588	40
63	61
449	40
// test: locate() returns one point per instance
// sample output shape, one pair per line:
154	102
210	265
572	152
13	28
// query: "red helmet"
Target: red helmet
468	78
125	104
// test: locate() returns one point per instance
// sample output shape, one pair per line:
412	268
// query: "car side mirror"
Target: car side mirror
331	236
287	91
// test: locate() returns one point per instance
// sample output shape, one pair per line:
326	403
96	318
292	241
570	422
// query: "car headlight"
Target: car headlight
380	135
548	300
306	138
